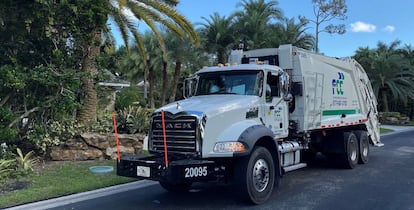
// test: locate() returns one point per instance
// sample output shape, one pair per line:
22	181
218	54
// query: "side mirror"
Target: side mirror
189	87
284	84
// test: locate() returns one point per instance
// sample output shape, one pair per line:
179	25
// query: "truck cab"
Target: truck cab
259	93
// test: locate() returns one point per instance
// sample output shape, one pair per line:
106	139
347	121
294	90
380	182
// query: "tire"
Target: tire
254	176
363	146
351	154
176	187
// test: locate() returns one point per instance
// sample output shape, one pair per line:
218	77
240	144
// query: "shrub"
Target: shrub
57	132
44	136
7	135
6	168
25	163
19	166
127	97
394	118
391	114
134	119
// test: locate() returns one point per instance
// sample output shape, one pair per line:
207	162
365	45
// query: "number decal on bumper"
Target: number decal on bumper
195	171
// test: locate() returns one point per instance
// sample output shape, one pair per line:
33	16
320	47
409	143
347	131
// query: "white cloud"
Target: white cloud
362	27
389	28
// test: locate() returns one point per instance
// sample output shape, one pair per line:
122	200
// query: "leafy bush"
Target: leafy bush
53	134
6	168
134	119
7	134
25	163
45	136
391	114
127	97
19	166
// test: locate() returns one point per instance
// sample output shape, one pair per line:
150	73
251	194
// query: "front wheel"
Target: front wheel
254	176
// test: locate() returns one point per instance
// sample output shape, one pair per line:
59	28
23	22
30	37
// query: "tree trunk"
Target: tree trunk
87	114
151	86
174	84
220	57
164	82
385	100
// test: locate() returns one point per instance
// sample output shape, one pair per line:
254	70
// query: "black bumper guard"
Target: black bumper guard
188	170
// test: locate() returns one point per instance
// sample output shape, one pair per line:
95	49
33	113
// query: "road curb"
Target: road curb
65	200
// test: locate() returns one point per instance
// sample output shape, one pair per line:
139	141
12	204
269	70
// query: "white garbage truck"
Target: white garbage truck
263	114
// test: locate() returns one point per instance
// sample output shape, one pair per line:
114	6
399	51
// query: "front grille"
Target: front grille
181	134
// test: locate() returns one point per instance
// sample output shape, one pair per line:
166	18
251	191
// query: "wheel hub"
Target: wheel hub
353	152
261	175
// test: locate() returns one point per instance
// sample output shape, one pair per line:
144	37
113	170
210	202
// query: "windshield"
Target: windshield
230	82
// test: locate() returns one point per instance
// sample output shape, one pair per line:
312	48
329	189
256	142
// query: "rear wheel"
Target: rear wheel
351	153
363	146
176	187
254	176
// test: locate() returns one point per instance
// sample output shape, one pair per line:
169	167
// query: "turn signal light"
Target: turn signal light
229	147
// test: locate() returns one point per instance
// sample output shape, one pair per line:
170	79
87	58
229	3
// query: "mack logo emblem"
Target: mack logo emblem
174	126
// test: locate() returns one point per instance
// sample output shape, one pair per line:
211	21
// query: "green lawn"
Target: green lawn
62	179
385	130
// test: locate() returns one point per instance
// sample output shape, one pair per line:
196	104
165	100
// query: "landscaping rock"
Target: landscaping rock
90	146
62	154
112	152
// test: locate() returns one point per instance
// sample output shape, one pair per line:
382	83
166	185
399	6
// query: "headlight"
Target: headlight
233	146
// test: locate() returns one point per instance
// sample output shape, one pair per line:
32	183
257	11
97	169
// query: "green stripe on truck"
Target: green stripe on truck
338	112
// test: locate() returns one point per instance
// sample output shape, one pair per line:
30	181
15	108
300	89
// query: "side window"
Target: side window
272	87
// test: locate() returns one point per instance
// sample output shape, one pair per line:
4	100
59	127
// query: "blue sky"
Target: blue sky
369	21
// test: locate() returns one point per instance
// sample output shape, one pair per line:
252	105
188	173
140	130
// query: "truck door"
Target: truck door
275	108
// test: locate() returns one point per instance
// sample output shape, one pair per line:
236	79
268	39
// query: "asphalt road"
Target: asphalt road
386	182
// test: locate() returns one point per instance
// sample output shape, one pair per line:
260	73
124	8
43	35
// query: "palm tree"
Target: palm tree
126	15
217	35
389	72
179	50
291	33
252	23
94	14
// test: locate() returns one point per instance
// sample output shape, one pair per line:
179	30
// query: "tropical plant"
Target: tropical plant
218	36
25	162
151	12
126	13
288	32
134	119
252	22
6	168
129	96
390	73
182	53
